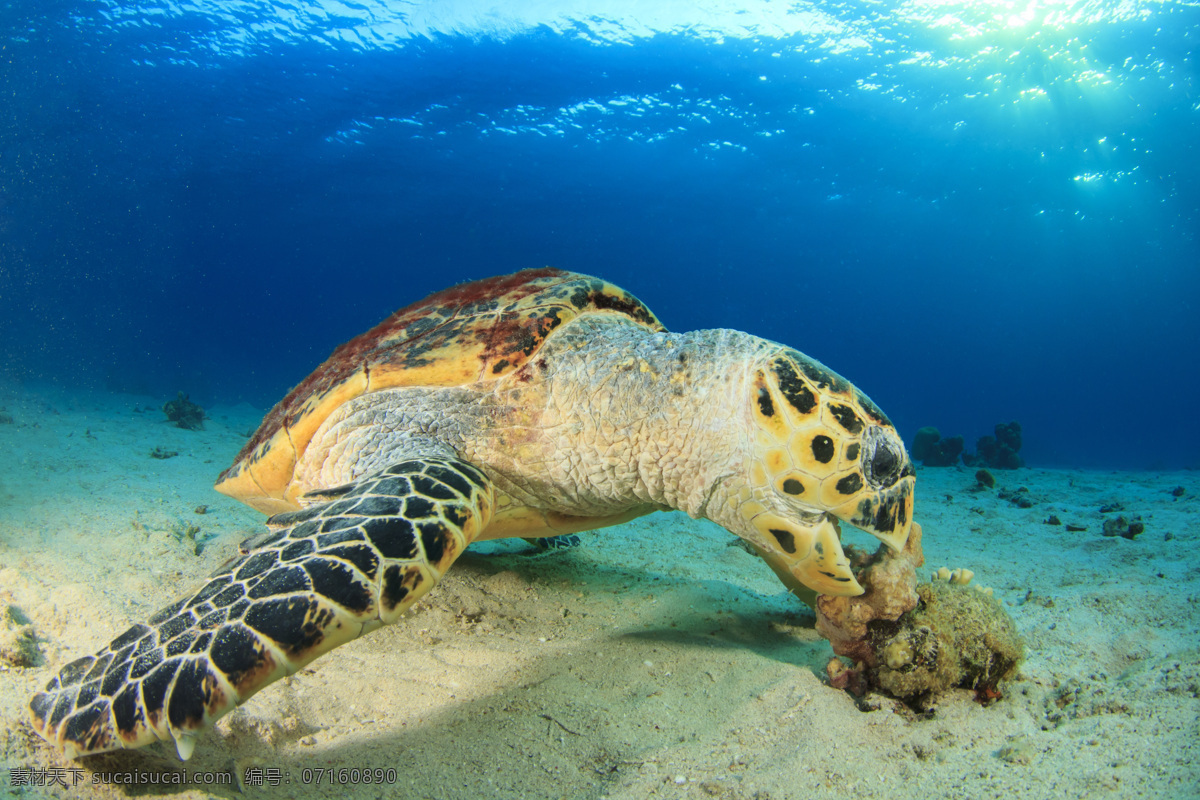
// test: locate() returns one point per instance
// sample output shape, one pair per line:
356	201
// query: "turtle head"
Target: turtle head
820	453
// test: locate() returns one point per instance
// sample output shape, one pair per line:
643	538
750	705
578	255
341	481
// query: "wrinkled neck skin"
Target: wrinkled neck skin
605	418
658	419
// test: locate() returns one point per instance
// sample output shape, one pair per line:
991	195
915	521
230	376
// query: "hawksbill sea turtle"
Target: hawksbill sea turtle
535	404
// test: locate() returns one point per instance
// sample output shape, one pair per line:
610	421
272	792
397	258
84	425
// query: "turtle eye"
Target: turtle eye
884	462
882	457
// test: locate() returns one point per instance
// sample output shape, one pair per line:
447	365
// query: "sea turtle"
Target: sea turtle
535	404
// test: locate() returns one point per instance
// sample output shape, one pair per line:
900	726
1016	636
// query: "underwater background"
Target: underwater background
977	211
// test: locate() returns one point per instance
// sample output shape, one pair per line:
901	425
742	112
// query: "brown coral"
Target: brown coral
890	581
957	636
914	642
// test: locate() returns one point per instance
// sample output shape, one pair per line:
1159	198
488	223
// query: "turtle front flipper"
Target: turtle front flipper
321	577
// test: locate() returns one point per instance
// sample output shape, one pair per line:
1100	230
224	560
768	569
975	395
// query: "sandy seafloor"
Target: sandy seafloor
653	661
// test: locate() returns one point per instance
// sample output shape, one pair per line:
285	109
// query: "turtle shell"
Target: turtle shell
473	333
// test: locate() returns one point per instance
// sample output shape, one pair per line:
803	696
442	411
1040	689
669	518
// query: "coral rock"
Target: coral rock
999	451
890	581
184	413
925	439
914	642
933	451
957	637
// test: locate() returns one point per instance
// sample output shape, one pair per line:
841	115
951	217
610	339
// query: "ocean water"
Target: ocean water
977	211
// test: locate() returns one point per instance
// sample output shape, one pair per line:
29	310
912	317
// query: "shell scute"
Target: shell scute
471	333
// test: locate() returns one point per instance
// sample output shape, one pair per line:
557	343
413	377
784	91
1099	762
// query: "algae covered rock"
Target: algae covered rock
998	451
923	442
956	637
915	641
184	413
933	451
889	581
18	644
946	452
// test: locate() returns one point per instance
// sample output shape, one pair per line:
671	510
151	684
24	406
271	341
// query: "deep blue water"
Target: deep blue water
976	211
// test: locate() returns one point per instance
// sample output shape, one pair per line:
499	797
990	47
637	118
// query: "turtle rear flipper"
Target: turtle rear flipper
564	541
325	575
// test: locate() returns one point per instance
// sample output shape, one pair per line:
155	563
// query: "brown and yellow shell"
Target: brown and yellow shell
476	332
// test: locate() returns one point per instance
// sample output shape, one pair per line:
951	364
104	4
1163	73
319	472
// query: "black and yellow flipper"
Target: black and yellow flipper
354	560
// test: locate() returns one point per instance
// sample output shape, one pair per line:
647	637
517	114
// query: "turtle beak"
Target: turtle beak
894	539
827	570
811	552
802	544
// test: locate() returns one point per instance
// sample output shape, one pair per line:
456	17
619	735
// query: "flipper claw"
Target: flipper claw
185	745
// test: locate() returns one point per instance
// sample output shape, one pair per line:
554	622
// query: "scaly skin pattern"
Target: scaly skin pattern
471	334
608	419
612	420
321	577
584	418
